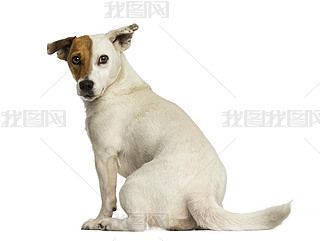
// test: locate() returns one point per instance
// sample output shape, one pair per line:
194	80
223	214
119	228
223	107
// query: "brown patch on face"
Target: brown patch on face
81	47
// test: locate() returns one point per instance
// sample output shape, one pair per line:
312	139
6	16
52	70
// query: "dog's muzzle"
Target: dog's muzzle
86	87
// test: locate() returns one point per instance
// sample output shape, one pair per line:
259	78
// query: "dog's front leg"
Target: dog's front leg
107	167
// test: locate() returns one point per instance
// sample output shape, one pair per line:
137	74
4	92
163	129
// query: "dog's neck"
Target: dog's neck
127	82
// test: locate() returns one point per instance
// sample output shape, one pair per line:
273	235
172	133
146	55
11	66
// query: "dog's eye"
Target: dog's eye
103	59
76	60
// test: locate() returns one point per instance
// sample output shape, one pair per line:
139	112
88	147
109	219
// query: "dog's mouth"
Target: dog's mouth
87	96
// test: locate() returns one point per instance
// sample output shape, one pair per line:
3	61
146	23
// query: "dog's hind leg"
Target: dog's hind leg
135	222
182	224
221	184
134	204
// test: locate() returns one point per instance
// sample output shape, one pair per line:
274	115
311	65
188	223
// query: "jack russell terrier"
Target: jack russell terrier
174	178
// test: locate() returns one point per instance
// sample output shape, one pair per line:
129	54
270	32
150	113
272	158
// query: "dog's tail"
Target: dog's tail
210	215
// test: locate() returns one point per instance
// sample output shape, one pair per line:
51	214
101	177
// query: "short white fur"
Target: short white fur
174	178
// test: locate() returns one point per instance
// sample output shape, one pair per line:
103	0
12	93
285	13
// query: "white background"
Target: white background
267	53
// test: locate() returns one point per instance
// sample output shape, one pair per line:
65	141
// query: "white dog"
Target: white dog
175	179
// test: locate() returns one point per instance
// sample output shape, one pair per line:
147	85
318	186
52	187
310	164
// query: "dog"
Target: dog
174	178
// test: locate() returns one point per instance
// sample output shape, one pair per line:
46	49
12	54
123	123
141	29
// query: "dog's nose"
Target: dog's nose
86	85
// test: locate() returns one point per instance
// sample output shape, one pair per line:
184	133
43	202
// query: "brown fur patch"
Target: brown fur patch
81	47
62	47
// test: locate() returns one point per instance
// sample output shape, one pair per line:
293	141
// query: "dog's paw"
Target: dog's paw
104	223
91	224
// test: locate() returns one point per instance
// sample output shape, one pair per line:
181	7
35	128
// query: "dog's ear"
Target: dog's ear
62	47
121	38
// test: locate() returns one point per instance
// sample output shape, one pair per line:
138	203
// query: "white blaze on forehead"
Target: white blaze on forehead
103	74
99	42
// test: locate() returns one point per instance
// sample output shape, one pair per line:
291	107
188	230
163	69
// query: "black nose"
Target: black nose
86	85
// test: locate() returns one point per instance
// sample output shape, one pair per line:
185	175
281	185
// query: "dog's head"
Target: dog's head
94	60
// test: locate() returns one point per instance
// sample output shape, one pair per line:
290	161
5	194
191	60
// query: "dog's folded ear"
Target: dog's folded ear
62	47
121	38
